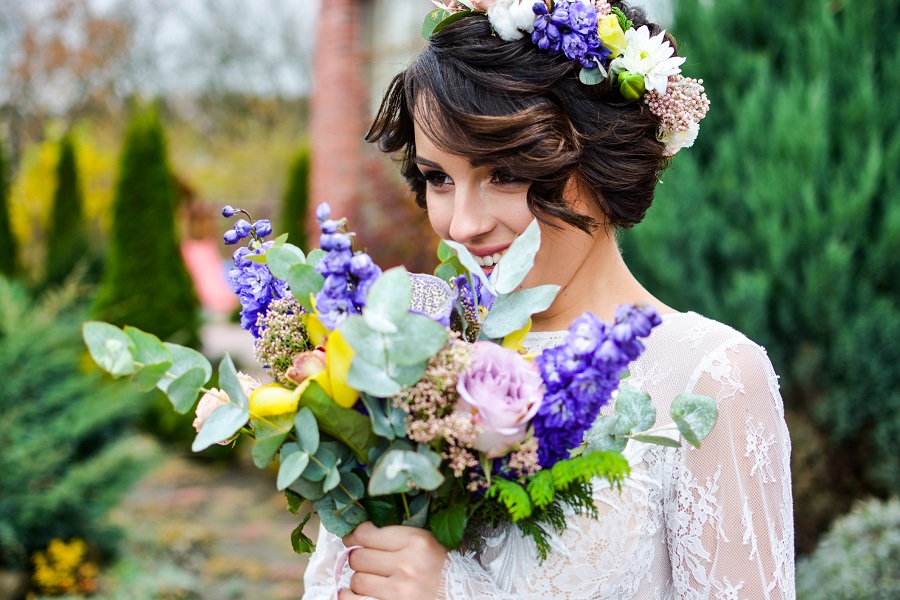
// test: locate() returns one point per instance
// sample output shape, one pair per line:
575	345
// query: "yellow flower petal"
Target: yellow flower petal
513	340
275	399
317	332
338	356
611	35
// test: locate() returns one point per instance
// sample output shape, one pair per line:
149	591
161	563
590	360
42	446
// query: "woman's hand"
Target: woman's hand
394	563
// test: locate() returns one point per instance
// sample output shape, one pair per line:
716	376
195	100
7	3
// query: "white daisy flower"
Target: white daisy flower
676	140
648	56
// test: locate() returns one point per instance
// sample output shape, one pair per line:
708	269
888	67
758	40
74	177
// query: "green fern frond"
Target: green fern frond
541	489
612	466
513	496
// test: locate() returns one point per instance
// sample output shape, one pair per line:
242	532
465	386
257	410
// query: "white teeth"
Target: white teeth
490	260
496	257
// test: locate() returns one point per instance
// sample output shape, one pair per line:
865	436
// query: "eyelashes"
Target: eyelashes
439	179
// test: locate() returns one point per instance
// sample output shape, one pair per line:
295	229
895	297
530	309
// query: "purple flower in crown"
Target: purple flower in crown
571	29
581	375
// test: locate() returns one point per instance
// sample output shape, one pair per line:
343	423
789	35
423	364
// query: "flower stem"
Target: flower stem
406	506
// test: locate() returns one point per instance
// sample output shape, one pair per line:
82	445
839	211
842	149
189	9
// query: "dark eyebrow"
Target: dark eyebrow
427	163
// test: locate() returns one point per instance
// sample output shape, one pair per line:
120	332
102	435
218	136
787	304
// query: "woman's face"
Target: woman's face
485	210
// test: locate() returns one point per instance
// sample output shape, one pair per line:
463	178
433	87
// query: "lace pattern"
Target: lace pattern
714	522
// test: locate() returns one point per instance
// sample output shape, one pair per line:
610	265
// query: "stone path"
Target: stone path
208	532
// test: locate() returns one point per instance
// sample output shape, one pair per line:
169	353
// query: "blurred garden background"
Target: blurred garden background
125	126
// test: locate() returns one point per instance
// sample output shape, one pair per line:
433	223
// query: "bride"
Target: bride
522	112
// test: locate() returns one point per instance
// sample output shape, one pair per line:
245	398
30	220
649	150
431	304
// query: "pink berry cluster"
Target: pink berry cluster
683	104
603	7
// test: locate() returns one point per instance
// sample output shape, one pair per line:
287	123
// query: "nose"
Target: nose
470	217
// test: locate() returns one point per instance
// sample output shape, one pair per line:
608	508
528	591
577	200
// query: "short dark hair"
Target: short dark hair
513	107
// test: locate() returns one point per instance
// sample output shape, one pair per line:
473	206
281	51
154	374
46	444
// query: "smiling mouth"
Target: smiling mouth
489	261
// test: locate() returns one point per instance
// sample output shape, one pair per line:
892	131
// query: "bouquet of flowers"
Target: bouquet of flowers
407	398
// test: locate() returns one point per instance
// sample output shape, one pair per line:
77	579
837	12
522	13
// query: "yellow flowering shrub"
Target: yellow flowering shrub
64	568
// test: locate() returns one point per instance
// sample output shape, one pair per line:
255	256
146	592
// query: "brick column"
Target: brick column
337	110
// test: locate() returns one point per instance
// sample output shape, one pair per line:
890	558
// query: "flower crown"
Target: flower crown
609	48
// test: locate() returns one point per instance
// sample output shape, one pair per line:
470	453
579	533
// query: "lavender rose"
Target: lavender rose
502	392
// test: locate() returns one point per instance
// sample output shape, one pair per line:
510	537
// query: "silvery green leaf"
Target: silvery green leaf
313	258
416	340
397	468
637	406
368	343
518	260
352	488
389	296
332	520
418	509
184	389
407	374
398	420
602	435
311	490
468	261
332	479
379	323
280	240
444	251
366	377
307	430
110	347
184	360
147	347
147	377
229	382
512	311
695	416
353	513
376	407
264	450
592	75
659	440
223	423
304	282
291	468
434	457
281	258
316	471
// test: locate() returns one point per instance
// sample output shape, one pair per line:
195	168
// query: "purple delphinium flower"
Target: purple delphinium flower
348	276
228	211
254	285
581	374
571	29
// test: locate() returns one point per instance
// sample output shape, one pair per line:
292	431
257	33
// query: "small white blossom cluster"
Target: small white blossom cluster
680	110
281	337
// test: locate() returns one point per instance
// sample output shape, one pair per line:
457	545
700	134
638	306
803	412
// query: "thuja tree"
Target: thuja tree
295	202
7	242
783	222
67	241
69	451
145	282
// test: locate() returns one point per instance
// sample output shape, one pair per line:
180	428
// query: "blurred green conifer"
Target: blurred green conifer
783	221
67	242
145	282
295	202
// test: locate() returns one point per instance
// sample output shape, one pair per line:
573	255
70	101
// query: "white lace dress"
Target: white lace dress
714	522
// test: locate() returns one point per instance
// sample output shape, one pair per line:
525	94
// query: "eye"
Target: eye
436	180
506	179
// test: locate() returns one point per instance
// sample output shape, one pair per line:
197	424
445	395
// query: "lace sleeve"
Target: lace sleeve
318	579
464	578
730	514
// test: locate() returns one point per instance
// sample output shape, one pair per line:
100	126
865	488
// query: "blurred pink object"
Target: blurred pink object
205	266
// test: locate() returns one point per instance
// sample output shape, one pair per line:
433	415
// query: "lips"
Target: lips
488	257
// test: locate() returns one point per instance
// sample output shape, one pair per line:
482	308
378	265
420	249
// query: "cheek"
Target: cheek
439	217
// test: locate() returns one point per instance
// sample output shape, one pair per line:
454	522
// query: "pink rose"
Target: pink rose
306	364
502	391
215	398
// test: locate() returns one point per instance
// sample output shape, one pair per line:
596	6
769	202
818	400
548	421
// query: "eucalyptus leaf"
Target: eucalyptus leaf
398	420
512	311
325	462
379	323
280	240
352	488
407	375
397	468
444	252
659	440
290	469
592	75
110	347
602	435
344	424
416	340
449	524
184	389
353	513
315	257
377	408
418	511
223	423
264	450
147	348
332	479
229	382
390	295
637	407
311	490
366	377
304	281
518	260
367	342
281	258
184	360
695	416
273	426
147	377
446	271
307	430
332	521
468	261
